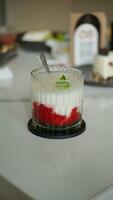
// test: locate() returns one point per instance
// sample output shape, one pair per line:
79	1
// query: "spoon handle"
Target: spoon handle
44	62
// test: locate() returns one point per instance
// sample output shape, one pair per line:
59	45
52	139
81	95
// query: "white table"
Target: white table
46	169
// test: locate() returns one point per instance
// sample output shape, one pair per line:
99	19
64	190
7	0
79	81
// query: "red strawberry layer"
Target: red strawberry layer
46	115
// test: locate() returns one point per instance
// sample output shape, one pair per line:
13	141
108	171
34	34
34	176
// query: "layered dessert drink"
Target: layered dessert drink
57	96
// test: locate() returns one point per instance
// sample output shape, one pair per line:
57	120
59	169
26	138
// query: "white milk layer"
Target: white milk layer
61	102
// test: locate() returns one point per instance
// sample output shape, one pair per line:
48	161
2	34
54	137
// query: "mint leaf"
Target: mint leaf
63	77
63	82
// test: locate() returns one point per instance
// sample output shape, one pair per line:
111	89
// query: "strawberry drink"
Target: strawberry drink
57	96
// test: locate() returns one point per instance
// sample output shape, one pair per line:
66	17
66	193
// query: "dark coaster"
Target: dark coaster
55	132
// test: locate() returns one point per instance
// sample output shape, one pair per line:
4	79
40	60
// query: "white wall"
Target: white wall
51	14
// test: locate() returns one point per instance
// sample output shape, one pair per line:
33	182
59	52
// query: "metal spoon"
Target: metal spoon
44	62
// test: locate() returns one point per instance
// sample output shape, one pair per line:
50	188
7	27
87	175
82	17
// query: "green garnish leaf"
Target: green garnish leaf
63	82
63	77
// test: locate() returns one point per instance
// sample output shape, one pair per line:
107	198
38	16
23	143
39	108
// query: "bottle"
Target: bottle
86	39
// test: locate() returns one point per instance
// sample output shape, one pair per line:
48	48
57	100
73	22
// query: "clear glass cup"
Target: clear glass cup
57	97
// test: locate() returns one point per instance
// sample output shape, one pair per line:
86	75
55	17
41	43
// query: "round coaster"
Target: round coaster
56	132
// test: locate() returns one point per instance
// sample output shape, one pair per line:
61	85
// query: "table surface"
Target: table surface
47	169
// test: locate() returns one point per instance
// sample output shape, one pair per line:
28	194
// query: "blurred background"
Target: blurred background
46	14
